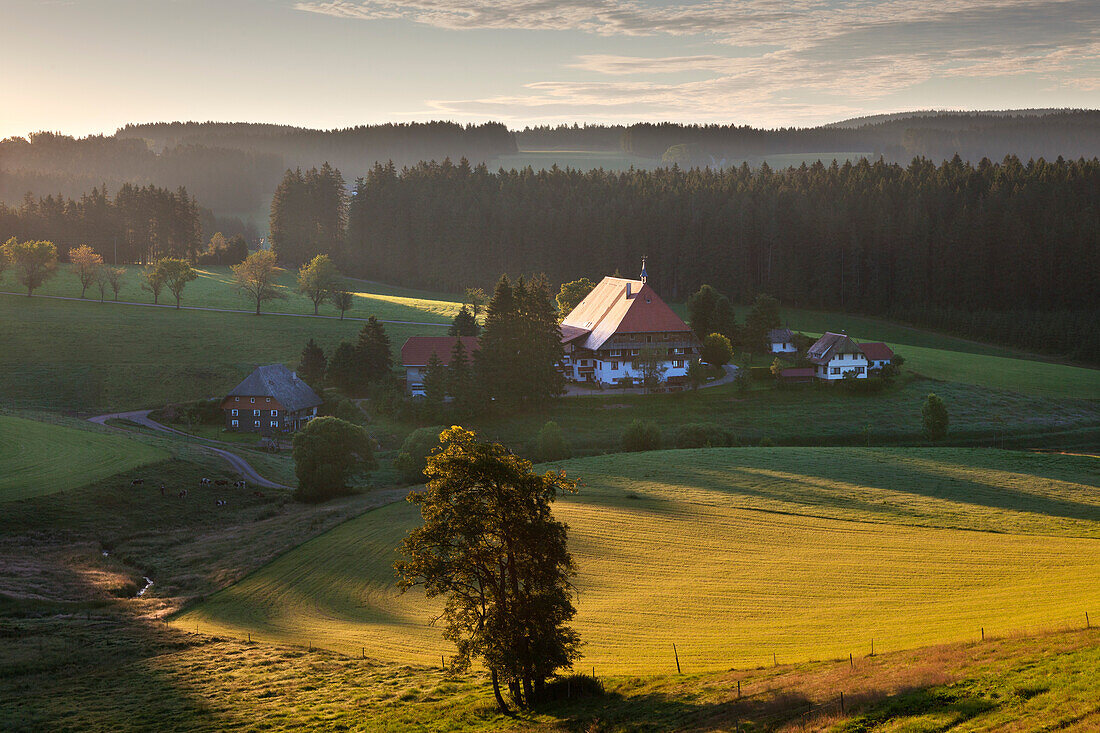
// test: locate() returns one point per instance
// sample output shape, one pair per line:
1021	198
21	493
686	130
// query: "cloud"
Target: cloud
844	54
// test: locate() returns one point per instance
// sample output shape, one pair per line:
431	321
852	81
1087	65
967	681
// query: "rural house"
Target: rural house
834	355
620	325
878	355
418	350
781	341
271	399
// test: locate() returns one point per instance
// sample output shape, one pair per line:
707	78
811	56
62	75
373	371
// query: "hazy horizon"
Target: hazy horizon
83	69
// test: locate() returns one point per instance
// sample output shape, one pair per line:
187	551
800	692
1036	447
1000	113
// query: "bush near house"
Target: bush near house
642	435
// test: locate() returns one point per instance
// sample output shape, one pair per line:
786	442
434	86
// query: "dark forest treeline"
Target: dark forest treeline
918	240
234	167
139	225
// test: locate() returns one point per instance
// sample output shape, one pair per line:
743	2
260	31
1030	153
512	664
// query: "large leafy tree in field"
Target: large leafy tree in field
763	317
34	262
934	417
153	281
317	279
175	274
256	277
326	451
85	263
491	547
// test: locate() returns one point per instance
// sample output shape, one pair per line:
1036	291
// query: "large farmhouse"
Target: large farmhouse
271	399
836	354
418	351
617	326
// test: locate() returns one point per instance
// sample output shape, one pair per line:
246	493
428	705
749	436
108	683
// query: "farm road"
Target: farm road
141	417
217	310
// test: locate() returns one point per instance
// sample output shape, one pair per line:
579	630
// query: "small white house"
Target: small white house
781	341
834	355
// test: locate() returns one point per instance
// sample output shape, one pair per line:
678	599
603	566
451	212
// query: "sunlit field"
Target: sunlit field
736	555
39	458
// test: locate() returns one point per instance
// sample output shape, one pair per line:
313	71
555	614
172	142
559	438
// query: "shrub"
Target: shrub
326	451
199	412
716	350
413	455
870	385
349	411
550	443
703	435
934	415
642	435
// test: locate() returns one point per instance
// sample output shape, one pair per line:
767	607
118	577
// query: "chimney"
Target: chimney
628	291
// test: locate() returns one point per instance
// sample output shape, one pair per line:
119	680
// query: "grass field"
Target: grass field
39	458
738	554
215	289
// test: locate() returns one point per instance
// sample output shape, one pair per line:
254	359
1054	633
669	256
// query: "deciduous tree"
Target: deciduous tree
86	264
490	545
326	451
175	274
317	279
34	262
342	300
153	281
934	417
716	350
256	277
571	294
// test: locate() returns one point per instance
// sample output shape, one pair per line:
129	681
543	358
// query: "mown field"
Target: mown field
39	458
736	555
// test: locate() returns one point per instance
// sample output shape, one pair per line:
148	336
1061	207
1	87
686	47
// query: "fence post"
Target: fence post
983	633
851	661
774	662
842	703
872	646
675	654
739	688
442	662
1087	625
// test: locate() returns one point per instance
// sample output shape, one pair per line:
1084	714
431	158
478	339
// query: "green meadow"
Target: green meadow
736	555
39	458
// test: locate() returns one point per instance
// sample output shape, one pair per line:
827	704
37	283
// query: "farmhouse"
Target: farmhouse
781	341
836	354
418	351
878	355
270	399
622	329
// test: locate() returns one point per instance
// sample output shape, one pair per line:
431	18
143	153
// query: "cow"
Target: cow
183	494
241	484
205	482
137	482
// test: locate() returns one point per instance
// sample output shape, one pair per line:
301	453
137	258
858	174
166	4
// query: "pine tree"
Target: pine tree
313	364
373	352
344	370
460	383
464	324
496	358
435	386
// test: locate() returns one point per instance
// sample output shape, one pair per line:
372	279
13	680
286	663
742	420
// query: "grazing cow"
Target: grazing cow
137	482
241	484
183	494
222	482
205	482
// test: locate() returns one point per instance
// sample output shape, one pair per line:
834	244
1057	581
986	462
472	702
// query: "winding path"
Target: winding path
240	465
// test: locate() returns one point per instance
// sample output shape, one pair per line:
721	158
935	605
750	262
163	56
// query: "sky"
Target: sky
84	67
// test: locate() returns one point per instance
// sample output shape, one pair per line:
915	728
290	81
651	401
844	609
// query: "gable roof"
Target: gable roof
780	336
418	350
279	383
617	305
828	346
877	351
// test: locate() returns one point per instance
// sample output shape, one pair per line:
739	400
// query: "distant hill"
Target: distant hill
233	168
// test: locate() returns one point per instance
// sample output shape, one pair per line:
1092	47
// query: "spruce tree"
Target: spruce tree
460	383
313	364
435	386
373	352
464	324
344	369
496	359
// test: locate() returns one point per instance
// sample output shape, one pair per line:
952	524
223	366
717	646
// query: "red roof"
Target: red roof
418	350
617	305
877	352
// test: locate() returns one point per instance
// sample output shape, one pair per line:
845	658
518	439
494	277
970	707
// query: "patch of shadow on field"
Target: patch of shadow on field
793	483
92	665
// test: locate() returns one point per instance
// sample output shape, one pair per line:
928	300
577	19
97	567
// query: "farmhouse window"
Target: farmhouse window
255	413
235	423
859	370
236	399
614	365
274	424
267	399
253	400
274	413
836	370
233	412
256	423
678	363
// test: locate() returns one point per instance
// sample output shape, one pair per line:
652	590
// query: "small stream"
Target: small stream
148	583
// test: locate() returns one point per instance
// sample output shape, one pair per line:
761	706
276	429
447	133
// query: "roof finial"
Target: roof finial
643	269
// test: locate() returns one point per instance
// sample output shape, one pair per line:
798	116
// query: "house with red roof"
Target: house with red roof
616	326
878	354
418	351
